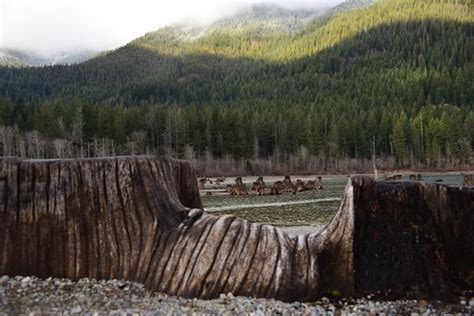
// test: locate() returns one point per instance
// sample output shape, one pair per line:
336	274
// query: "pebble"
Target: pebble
76	310
26	280
30	295
4	279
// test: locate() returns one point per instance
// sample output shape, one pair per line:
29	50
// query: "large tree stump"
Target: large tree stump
139	219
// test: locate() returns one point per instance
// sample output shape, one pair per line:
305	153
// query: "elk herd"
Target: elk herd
260	188
286	185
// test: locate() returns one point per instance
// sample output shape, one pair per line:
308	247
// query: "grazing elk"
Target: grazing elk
278	188
314	185
239	187
310	185
288	185
299	186
228	188
259	186
320	183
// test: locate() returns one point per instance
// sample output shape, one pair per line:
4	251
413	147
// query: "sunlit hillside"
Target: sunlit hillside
269	82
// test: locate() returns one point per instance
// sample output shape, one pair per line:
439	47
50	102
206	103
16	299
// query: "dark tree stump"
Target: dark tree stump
140	219
413	239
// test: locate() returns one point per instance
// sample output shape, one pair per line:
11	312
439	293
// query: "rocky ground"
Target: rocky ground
33	296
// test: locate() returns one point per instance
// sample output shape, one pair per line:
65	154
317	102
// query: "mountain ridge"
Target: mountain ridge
395	77
270	19
120	73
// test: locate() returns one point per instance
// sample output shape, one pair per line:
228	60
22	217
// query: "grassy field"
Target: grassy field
312	209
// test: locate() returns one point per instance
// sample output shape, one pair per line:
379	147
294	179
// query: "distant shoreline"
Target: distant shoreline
345	175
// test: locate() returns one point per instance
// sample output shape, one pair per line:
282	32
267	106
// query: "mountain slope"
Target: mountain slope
252	30
255	40
220	67
397	73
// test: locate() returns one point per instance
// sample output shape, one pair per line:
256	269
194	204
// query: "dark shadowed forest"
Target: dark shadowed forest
391	80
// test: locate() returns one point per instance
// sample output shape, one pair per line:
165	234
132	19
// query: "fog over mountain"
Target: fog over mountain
26	58
268	87
51	27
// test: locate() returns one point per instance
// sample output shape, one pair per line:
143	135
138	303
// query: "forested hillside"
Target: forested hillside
289	86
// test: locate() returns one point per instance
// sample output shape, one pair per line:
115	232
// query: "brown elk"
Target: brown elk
299	186
320	184
288	185
259	186
314	185
310	185
228	188
239	187
278	188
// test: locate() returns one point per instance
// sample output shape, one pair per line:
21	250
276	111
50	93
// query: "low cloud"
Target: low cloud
49	27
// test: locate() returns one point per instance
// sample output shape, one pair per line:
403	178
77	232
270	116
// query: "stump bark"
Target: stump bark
140	219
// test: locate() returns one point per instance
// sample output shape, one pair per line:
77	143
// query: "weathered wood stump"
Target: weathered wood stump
139	219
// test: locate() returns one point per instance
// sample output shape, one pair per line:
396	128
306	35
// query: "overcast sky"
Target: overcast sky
52	26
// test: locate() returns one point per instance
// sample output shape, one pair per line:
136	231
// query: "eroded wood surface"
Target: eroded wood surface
140	219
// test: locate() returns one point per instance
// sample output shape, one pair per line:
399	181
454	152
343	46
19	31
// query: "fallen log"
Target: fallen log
141	219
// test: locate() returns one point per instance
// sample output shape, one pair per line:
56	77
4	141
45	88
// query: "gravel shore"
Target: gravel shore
33	296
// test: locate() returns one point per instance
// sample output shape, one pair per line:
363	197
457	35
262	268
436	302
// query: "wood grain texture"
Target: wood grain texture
141	219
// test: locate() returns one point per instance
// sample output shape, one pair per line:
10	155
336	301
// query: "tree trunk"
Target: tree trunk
140	219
